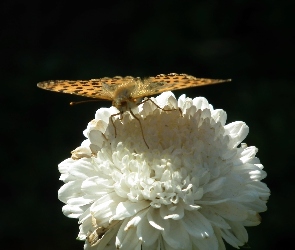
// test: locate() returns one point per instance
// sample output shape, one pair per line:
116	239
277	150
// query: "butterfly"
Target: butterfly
127	92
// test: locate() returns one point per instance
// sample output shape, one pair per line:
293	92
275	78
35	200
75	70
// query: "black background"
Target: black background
246	40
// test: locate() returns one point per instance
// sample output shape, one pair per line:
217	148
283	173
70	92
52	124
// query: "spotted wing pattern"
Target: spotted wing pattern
169	82
94	88
105	88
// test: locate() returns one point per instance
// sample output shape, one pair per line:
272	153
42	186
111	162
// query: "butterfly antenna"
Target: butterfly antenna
75	103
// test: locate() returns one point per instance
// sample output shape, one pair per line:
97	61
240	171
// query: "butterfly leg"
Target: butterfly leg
114	123
121	117
140	127
149	99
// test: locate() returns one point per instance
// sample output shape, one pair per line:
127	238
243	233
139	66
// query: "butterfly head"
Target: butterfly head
123	98
123	104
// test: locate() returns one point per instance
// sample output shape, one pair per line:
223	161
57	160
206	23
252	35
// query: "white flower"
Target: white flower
195	186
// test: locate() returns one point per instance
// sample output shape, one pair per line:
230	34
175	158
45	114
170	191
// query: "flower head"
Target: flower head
194	186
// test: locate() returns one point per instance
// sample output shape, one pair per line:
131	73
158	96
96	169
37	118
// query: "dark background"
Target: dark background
246	40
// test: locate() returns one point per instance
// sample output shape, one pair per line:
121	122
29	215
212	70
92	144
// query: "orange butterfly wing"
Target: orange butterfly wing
169	82
94	88
105	88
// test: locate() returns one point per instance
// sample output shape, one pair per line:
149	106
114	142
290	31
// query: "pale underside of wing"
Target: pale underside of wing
173	81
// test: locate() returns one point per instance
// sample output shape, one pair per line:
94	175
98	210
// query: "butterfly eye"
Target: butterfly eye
123	103
137	100
120	104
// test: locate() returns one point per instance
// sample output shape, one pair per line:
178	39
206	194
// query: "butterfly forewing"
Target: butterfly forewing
103	88
173	81
91	88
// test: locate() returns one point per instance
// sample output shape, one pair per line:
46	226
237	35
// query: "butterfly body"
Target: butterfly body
123	95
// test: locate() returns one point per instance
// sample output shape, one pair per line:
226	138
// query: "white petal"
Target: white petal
70	190
214	185
208	243
231	210
105	207
155	246
79	201
214	218
231	239
201	103
218	233
177	236
239	231
83	168
96	137
181	101
105	113
219	115
253	219
238	131
96	125
126	239
63	168
97	186
127	209
172	212
245	155
146	233
72	211
156	220
162	99
197	225
136	219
